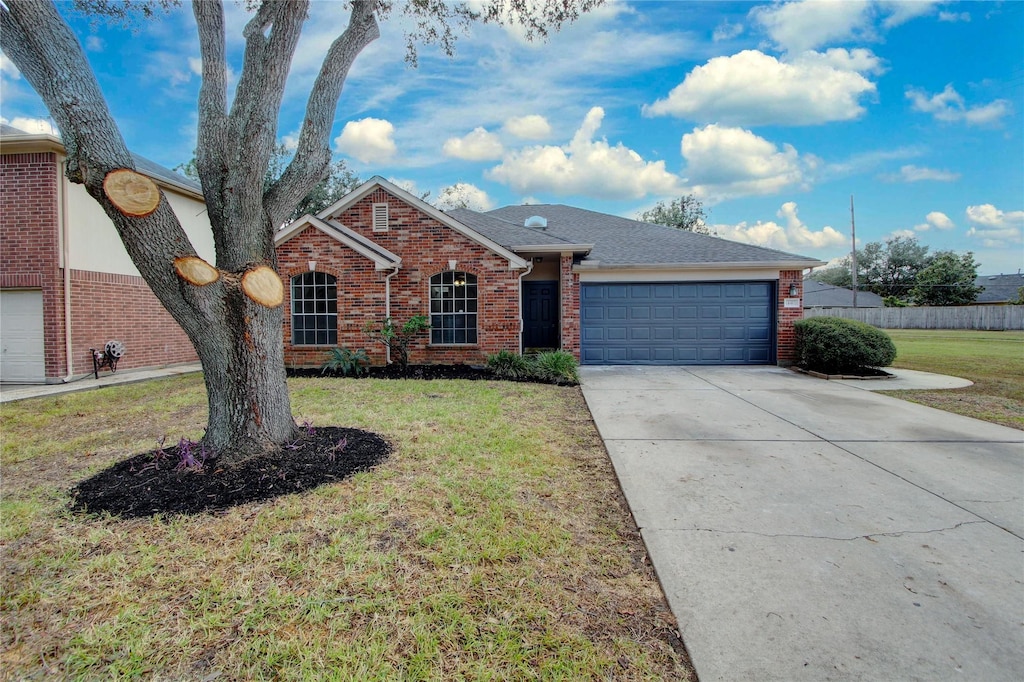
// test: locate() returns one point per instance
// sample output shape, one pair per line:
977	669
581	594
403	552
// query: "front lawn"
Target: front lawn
994	361
492	544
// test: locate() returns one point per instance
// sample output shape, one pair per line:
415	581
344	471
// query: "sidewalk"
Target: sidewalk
11	392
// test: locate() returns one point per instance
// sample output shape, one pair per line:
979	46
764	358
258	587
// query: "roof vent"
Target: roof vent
536	221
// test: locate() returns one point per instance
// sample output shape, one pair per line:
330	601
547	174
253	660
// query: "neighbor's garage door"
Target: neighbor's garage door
21	337
686	323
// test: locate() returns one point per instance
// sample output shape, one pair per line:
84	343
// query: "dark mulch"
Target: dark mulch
154	482
395	371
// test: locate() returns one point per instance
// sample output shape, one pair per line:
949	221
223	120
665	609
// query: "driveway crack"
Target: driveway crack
869	536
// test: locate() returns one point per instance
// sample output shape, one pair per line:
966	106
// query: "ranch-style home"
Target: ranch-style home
607	289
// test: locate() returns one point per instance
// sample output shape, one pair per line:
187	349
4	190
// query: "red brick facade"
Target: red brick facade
569	291
786	340
425	246
104	306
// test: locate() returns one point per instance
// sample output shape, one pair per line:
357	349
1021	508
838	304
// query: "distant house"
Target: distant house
999	288
66	281
820	295
607	289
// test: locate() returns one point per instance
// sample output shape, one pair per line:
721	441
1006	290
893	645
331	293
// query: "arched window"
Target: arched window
314	309
453	307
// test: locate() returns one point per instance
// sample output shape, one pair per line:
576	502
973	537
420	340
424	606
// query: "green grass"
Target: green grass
493	544
994	361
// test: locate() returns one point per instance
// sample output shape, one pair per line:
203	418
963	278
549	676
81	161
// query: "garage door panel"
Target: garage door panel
678	323
22	358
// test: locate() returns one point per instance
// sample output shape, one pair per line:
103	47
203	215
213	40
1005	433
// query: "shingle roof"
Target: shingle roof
820	295
623	242
999	288
142	164
504	232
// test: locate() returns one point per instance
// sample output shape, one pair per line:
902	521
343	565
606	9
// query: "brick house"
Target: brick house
66	282
607	289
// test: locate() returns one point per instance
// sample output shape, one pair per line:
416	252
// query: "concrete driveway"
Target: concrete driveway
808	530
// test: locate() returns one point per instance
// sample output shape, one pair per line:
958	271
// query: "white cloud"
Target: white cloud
370	140
953	17
798	26
936	219
913	173
94	44
464	195
195	65
726	31
793	234
949	106
478	145
896	234
995	228
8	68
752	88
409	186
530	127
724	162
585	166
33	126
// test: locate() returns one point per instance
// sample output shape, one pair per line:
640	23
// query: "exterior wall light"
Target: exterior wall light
793	289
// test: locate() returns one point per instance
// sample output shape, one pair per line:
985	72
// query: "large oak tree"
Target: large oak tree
230	309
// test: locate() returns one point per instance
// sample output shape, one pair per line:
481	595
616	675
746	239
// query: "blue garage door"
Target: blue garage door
686	323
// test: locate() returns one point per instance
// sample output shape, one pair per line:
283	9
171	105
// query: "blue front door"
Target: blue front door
540	314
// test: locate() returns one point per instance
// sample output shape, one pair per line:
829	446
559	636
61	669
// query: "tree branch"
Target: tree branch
313	155
210	140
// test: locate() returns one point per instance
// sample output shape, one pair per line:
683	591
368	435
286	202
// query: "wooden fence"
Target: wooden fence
989	317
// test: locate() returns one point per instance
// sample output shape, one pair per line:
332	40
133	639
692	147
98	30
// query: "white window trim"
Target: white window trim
381	217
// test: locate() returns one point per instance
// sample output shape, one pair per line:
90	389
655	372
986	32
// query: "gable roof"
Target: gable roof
624	243
382	258
14	139
820	295
999	288
514	261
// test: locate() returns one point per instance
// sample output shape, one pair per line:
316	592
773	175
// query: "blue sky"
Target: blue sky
773	114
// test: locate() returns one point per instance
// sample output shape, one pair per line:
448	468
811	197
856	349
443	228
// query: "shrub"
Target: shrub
398	338
556	366
346	361
834	345
509	365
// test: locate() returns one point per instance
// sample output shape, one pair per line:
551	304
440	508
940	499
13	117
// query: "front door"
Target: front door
540	315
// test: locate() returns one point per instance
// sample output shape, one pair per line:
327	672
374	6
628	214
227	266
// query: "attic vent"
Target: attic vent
536	221
380	217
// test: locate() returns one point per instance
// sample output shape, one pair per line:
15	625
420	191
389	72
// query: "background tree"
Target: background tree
231	310
888	269
948	279
685	213
339	182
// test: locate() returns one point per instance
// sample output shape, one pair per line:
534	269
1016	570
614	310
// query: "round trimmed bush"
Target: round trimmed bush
835	345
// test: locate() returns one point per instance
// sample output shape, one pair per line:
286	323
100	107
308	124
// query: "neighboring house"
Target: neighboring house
609	290
66	283
999	288
820	295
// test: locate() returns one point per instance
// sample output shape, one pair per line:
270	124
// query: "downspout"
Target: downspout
62	219
522	327
387	308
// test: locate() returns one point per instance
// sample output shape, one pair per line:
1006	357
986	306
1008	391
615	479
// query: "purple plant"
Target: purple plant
160	454
307	426
338	448
191	455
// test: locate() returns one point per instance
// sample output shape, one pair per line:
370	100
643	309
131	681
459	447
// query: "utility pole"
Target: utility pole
853	259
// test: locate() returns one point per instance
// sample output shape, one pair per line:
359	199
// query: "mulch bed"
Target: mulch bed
156	483
395	371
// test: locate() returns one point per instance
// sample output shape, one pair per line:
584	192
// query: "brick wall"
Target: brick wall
29	245
104	306
569	293
786	340
425	246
